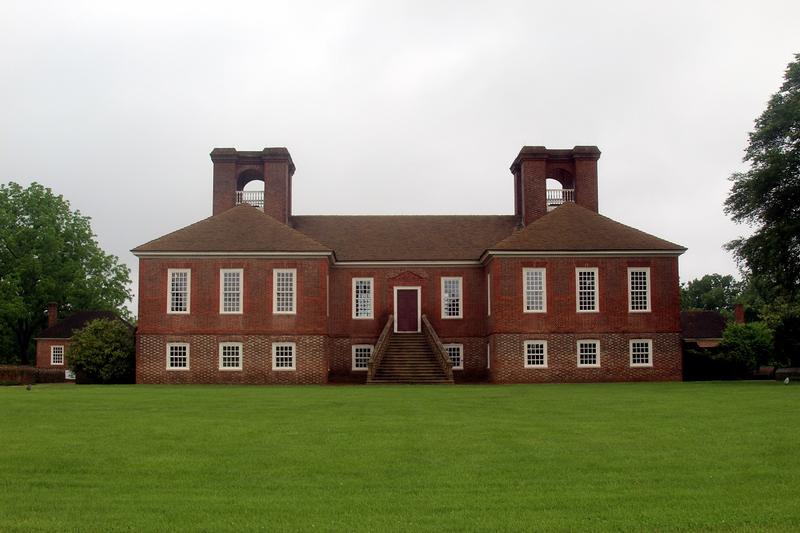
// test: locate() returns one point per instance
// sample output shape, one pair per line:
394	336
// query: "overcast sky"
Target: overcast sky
389	107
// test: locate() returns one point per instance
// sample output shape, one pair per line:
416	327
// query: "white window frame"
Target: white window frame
578	352
596	272
354	349
188	357
461	354
631	270
649	343
489	294
239	345
525	353
52	355
460	314
275	346
275	273
525	290
371	314
222	273
188	272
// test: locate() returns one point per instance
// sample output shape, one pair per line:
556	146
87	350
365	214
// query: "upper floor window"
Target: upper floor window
230	356
57	355
534	280
535	354
586	289
284	291
639	290
230	290
180	281
361	356
456	354
177	356
451	298
362	297
641	351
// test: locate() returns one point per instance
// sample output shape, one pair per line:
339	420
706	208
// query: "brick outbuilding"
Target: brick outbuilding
555	292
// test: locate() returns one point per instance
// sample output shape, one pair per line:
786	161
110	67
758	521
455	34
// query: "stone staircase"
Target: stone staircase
409	359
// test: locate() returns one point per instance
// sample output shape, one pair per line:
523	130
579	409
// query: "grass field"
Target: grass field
663	456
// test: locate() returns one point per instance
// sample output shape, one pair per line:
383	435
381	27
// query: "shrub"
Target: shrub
748	345
103	352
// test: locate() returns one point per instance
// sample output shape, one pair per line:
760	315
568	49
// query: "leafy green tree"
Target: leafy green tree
767	197
103	352
748	345
712	291
48	253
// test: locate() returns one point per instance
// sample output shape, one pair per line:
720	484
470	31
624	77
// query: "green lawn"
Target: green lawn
663	456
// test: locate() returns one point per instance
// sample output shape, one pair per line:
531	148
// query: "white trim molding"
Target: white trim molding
170	272
354	299
646	271
588	353
223	355
596	289
526	308
459	298
275	274
460	348
275	355
527	353
364	348
53	354
170	345
240	290
641	342
419	307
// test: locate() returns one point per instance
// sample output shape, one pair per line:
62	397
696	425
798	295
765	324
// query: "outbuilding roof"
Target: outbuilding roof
64	329
702	324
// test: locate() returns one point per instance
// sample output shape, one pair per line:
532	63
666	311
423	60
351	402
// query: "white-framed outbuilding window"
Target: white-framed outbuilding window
641	351
230	356
451	298
283	355
230	290
177	356
586	290
179	286
362	297
639	290
588	353
57	355
361	356
456	354
535	354
535	290
284	291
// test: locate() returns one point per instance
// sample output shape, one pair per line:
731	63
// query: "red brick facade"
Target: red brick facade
493	320
43	352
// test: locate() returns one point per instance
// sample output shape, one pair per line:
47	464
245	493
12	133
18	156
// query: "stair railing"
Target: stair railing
438	349
380	349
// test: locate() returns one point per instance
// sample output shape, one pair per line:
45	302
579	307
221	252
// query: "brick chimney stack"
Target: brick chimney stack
738	313
52	314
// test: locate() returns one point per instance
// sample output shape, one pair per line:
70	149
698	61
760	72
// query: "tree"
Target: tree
767	197
49	253
712	291
103	352
747	345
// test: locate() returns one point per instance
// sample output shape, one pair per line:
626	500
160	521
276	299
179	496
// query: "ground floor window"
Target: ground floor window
361	356
177	356
535	354
283	355
641	352
456	354
230	356
588	353
56	355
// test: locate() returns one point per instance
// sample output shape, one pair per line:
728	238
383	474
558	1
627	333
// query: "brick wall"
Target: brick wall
508	359
43	352
311	364
474	358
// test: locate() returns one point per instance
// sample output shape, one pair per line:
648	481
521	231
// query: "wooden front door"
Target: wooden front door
407	310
